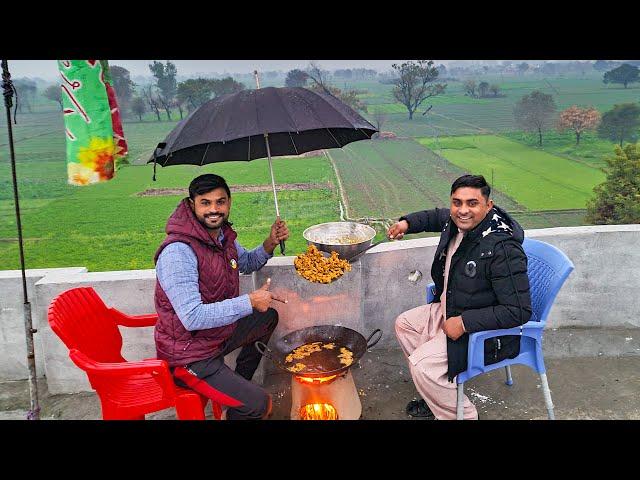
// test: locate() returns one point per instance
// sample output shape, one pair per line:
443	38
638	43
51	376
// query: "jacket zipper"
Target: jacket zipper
187	345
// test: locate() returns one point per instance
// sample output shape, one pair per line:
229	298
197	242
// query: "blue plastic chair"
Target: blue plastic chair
548	268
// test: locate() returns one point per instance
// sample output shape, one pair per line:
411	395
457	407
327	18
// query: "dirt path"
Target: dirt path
154	192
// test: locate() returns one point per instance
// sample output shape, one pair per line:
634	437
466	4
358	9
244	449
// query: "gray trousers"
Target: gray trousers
246	399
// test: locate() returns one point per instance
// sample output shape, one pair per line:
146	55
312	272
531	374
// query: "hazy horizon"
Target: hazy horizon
48	69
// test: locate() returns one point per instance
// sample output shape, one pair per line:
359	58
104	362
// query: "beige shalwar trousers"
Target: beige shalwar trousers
424	343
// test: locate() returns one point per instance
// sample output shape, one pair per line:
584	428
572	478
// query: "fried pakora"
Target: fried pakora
315	267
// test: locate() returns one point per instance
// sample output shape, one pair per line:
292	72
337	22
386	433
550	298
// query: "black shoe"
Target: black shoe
419	409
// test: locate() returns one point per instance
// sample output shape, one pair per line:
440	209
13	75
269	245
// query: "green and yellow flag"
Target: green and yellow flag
92	145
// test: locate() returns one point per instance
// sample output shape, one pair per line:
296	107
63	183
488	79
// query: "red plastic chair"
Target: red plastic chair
127	390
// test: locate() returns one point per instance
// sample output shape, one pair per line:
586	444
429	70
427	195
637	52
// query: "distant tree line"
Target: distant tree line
481	90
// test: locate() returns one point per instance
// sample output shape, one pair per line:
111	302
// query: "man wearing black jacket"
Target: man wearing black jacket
481	283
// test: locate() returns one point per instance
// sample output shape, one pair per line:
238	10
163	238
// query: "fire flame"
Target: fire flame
318	411
318	380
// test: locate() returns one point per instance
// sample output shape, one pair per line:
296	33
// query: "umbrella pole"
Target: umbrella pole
273	184
273	180
34	412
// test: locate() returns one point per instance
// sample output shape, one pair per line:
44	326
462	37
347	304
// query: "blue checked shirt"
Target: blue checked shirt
177	272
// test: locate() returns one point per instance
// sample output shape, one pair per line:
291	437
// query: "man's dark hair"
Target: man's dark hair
473	181
207	183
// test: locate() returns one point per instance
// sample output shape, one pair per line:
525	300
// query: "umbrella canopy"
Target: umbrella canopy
233	127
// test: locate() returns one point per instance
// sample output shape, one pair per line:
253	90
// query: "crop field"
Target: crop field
454	113
536	179
388	178
109	227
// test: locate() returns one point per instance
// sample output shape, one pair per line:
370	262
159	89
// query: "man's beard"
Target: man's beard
220	220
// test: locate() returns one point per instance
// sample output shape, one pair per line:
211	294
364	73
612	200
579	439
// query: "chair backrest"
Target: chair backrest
548	268
82	321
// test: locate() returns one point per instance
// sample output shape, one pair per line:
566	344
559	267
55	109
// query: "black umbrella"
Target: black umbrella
266	122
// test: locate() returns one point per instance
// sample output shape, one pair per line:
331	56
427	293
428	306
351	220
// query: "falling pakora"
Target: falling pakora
315	267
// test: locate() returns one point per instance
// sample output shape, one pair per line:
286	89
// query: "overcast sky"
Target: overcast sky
48	69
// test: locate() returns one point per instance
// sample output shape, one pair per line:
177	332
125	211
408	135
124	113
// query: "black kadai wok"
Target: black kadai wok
322	363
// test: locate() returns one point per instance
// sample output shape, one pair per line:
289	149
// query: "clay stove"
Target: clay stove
325	398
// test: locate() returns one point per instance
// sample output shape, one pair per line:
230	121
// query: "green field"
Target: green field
591	151
108	227
456	114
388	178
536	179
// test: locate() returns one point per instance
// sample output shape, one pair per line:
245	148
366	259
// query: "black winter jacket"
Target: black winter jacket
488	283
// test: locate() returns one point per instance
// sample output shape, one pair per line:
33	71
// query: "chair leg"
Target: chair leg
189	406
509	379
217	410
547	396
460	402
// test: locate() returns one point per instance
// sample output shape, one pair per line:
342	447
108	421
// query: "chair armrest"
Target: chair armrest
475	355
153	367
147	320
430	294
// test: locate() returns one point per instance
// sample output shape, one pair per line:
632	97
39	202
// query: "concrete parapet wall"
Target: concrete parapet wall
601	293
13	346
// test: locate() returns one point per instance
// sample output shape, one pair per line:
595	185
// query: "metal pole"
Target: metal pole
34	412
273	180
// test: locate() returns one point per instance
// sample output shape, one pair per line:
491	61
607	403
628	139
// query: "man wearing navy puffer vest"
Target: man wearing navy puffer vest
201	316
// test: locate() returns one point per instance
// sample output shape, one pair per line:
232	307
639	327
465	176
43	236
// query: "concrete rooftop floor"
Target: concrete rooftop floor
582	388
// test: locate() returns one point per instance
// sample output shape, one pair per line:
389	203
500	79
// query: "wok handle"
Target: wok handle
263	349
266	351
281	247
377	330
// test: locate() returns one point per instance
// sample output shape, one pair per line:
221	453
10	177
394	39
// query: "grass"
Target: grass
590	151
388	178
108	227
534	178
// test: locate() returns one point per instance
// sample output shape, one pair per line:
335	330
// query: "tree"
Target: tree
194	92
54	93
578	120
620	123
624	74
534	112
604	65
483	89
138	106
415	84
166	83
379	118
152	99
225	86
296	78
523	67
319	77
123	86
26	89
469	87
617	199
350	97
494	89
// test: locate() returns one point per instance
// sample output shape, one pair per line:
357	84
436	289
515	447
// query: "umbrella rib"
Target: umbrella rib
293	143
329	130
205	154
312	110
